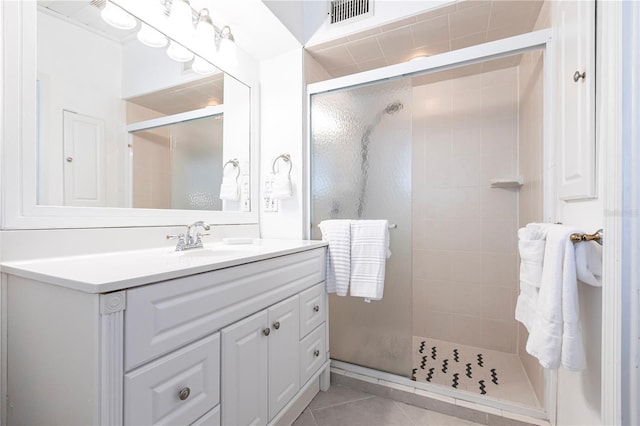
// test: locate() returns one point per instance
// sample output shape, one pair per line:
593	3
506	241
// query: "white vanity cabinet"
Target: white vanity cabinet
241	344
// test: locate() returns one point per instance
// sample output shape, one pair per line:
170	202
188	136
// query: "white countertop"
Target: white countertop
106	272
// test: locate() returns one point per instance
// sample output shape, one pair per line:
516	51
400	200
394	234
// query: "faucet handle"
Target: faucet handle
175	237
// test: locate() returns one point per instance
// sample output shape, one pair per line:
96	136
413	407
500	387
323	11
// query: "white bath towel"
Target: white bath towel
281	188
338	266
531	243
229	188
369	251
556	336
589	263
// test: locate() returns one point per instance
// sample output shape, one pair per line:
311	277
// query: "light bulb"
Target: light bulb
117	17
204	28
178	53
227	47
181	17
151	37
203	67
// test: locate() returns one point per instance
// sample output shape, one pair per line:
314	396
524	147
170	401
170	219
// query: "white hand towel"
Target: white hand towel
338	267
531	246
556	336
589	263
369	251
281	188
229	188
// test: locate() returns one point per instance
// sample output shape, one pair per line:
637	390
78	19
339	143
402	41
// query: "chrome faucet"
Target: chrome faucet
190	239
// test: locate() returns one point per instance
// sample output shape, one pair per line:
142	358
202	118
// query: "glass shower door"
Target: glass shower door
361	169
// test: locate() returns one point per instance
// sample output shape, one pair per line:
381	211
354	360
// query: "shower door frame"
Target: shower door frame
538	40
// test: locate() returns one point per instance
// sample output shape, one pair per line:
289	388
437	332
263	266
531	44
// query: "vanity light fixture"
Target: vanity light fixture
117	17
181	16
179	53
151	37
202	66
227	46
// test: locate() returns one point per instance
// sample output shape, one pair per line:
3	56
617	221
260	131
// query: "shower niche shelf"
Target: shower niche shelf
509	182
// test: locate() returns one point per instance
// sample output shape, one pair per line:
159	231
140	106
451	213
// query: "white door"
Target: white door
244	371
84	169
284	374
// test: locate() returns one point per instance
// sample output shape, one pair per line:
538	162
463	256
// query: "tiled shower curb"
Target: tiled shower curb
442	404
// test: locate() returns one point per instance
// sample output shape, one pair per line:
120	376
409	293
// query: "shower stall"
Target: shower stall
452	157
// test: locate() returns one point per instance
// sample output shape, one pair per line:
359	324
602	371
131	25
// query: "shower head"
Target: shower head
394	107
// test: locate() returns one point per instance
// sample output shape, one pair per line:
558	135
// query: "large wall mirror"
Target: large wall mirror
123	124
103	130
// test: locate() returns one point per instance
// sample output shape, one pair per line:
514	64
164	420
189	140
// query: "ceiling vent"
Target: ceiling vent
342	10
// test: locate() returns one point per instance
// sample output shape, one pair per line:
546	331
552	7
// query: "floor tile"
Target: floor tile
367	412
337	394
420	416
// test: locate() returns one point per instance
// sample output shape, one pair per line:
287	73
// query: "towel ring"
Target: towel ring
286	158
236	165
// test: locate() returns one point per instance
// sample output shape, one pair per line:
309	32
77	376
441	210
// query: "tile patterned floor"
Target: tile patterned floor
343	406
492	373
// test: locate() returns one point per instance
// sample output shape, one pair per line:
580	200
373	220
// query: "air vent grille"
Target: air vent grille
341	10
98	3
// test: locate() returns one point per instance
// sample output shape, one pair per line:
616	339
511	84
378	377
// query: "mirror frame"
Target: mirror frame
18	148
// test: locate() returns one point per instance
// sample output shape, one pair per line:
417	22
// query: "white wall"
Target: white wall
283	130
147	70
81	72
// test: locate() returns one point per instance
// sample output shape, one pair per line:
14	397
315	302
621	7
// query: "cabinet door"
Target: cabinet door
576	98
244	371
284	380
176	389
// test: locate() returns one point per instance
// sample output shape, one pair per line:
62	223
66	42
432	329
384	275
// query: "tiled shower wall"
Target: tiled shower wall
465	133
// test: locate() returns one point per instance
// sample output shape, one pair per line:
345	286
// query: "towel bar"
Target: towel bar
391	226
596	236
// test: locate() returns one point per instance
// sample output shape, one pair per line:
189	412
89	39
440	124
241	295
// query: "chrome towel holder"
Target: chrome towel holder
236	165
284	157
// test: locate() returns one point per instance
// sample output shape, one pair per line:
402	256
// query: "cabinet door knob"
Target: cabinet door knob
276	325
184	393
579	75
316	353
316	308
266	331
69	159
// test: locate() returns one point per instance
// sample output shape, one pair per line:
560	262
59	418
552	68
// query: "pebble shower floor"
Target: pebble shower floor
486	372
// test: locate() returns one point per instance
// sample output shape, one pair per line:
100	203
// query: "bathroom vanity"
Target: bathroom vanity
225	334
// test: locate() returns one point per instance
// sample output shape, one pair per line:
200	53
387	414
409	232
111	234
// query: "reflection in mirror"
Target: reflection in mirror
120	124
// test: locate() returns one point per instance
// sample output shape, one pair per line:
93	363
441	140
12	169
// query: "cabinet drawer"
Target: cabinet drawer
163	317
313	353
212	418
176	389
312	308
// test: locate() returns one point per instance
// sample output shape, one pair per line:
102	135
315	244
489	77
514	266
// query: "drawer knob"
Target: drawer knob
316	308
276	325
266	331
316	353
579	75
184	393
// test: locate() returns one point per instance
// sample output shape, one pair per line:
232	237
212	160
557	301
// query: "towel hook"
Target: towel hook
236	165
286	158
